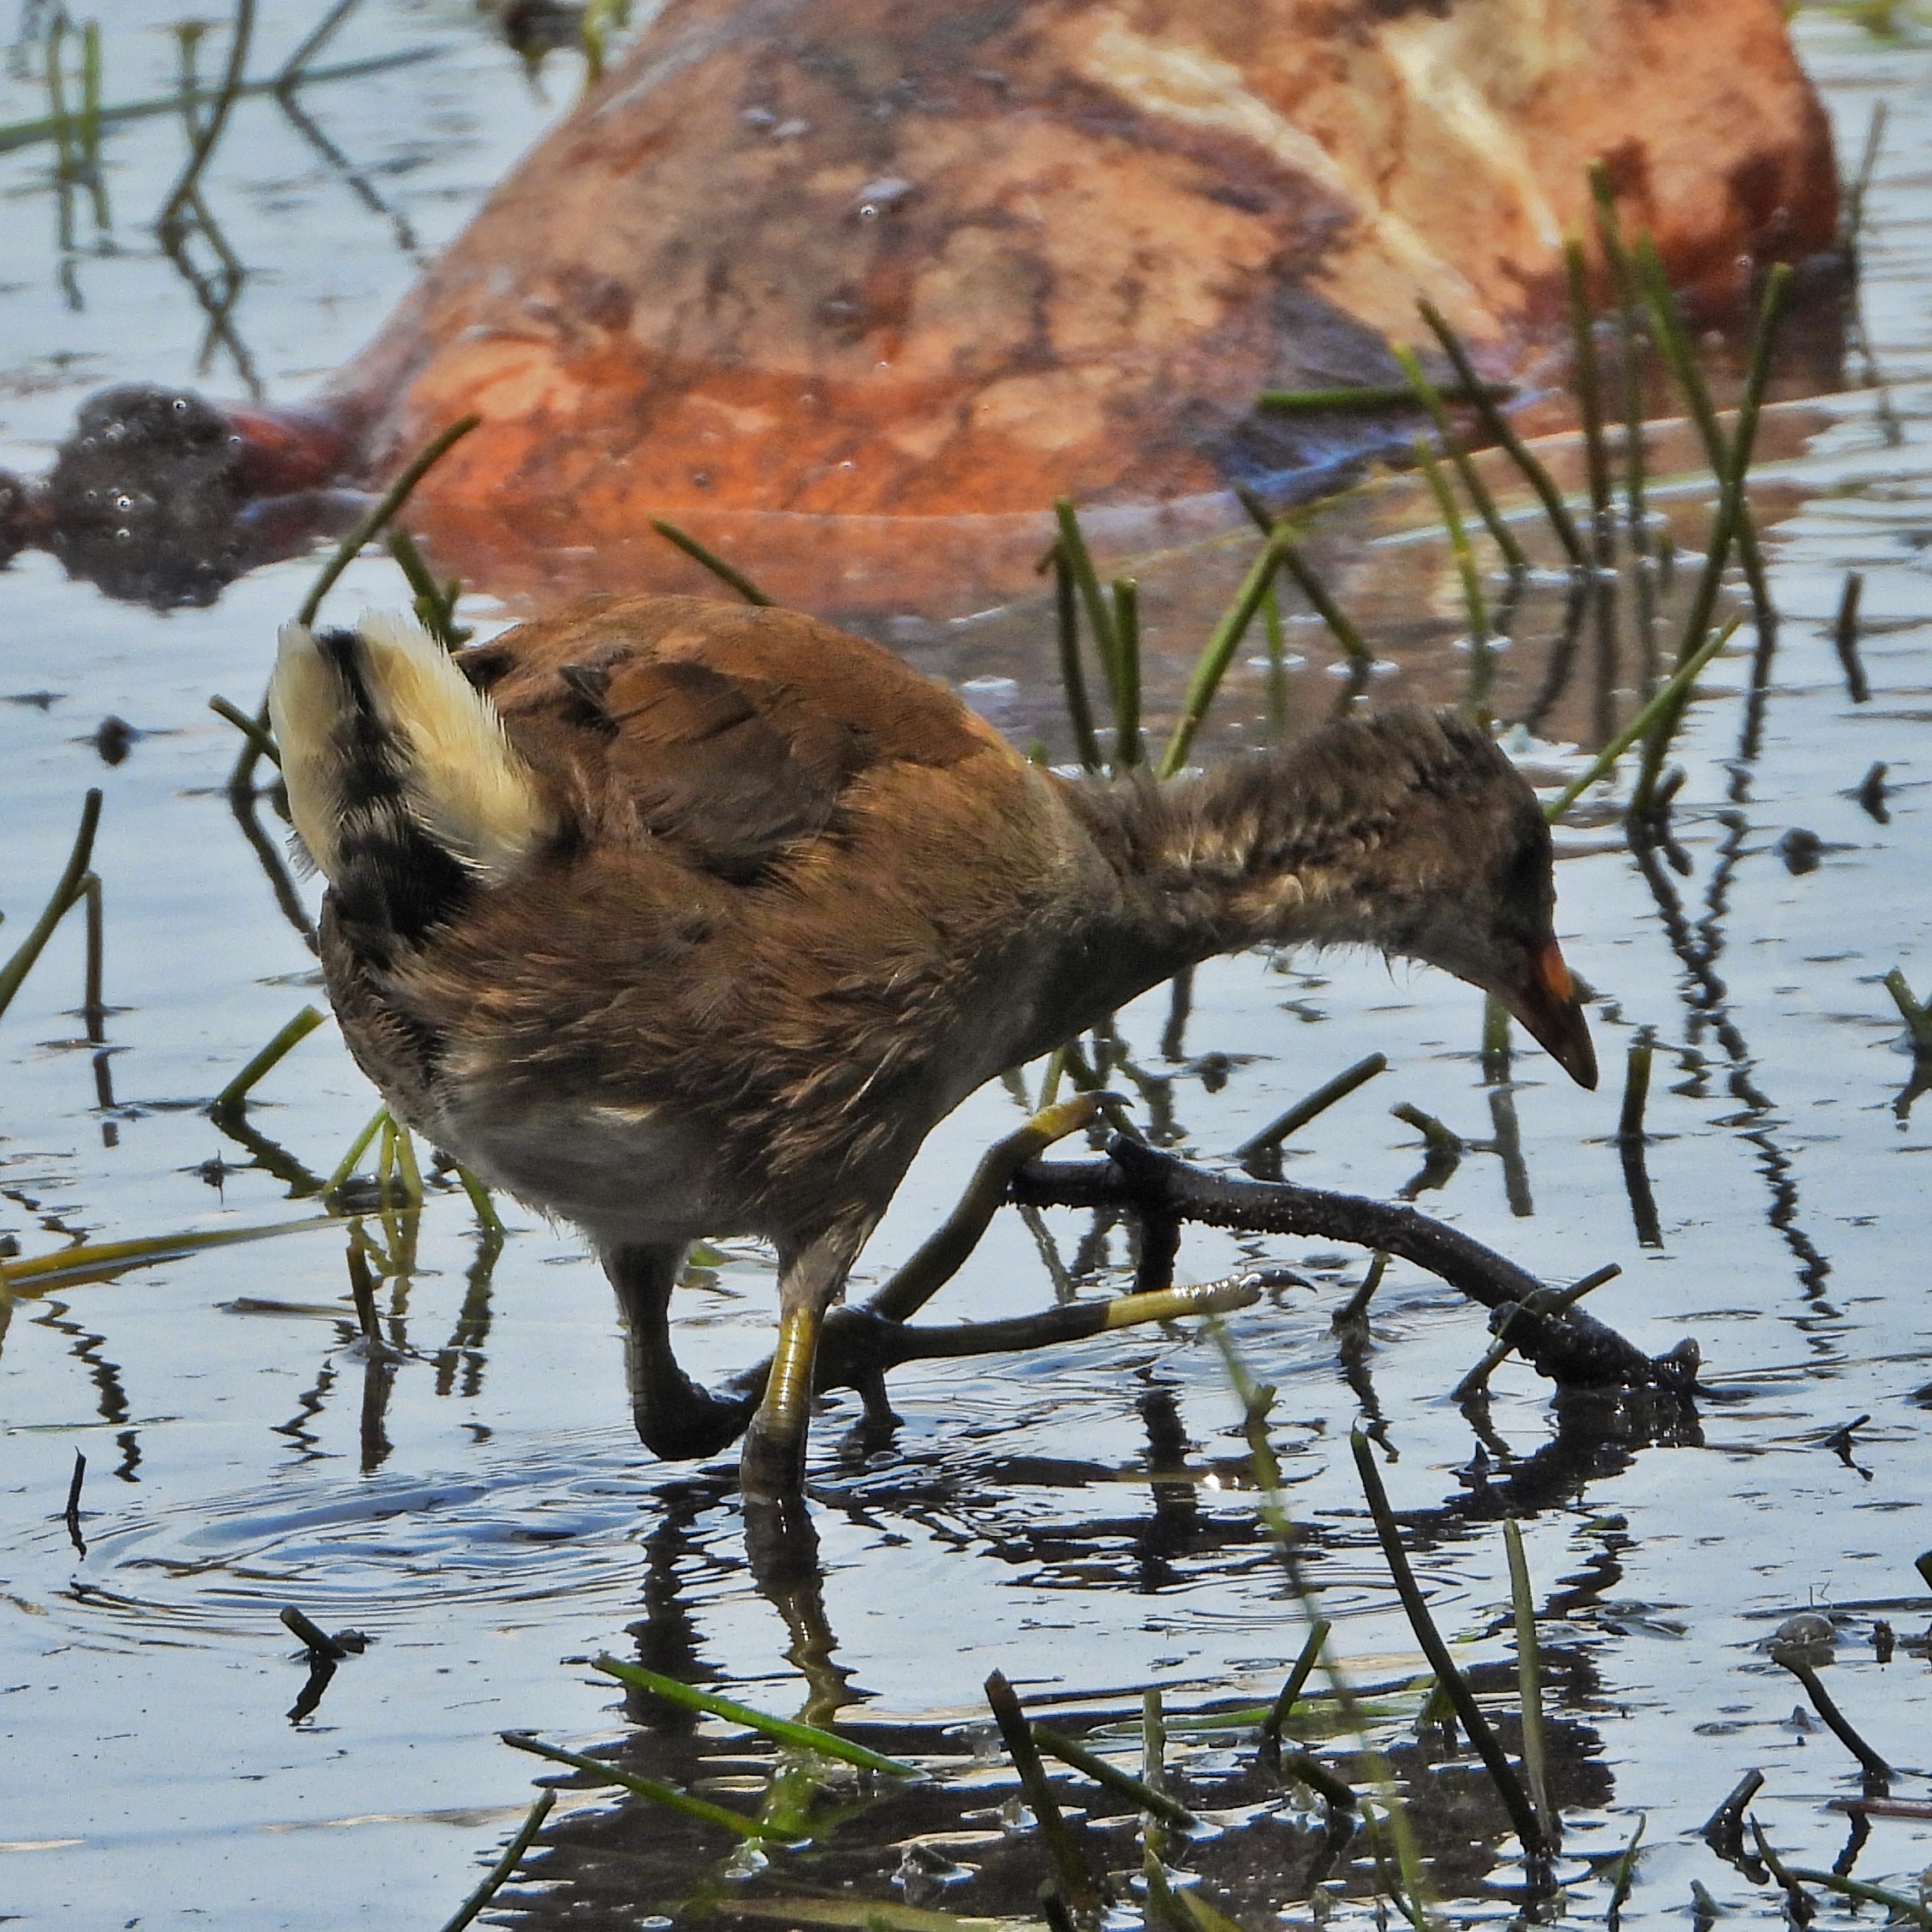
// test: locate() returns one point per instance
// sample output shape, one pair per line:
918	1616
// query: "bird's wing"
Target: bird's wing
728	733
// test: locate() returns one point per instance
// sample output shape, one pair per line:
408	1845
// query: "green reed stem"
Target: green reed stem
1073	677
1297	1679
1918	1019
1431	397
1624	1873
1719	452
1100	618
1312	1104
1667	695
784	1730
1304	573
367	527
1458	544
481	1205
47	127
1157	1804
500	1872
1589	385
1734	512
67	893
1636	1091
435	603
941	1254
1497	428
1128	749
667	1795
376	520
700	553
94	1259
237	1091
292	73
1076	1884
168	223
1529	1680
1356	1308
357	1148
1529	1831
1212	664
1900	1909
1629	366
257	733
1376	396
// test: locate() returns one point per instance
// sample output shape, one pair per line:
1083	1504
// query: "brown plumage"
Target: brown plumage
737	907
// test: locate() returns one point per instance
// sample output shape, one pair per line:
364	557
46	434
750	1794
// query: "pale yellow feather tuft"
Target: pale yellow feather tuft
306	702
467	788
463	783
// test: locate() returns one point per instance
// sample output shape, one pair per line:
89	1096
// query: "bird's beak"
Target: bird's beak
1545	1001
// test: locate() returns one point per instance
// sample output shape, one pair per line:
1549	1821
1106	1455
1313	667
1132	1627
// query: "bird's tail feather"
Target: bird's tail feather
402	785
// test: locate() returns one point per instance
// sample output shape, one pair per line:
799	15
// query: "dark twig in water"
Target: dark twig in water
513	1855
71	1515
1077	1885
1845	635
1835	1720
699	553
93	1002
1571	1347
1536	1841
1496	426
67	893
1355	1310
1308	1108
1623	1877
318	1641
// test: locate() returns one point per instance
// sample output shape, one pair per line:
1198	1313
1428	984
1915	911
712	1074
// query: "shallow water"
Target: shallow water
1080	1518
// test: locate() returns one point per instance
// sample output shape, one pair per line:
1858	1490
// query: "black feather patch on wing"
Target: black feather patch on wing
392	881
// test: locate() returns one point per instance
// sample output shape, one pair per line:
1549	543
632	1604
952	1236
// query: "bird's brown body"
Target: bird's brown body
772	905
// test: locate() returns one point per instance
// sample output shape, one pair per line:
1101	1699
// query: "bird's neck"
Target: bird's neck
1247	856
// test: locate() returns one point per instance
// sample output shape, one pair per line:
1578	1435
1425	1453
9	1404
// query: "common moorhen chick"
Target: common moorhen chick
681	919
